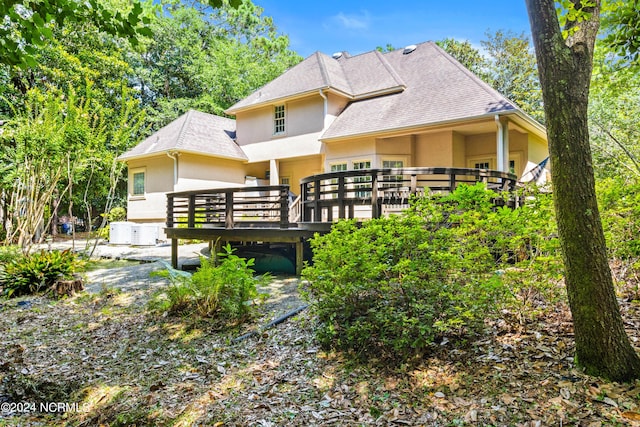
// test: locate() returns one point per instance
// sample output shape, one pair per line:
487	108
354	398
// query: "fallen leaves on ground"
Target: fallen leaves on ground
125	367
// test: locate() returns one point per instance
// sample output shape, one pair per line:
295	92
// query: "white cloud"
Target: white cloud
352	21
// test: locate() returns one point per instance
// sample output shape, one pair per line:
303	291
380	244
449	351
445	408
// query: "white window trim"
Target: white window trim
283	118
471	161
135	171
403	159
354	161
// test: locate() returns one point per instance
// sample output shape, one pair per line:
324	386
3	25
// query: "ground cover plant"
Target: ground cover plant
226	290
22	274
396	287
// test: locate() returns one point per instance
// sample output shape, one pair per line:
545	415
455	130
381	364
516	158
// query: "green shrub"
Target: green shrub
28	274
115	214
226	291
9	253
619	204
392	287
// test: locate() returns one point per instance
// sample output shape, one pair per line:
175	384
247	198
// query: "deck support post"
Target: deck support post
174	253
299	257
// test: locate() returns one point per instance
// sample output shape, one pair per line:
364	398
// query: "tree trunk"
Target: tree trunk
602	346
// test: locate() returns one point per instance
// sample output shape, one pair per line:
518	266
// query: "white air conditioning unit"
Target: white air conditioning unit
144	234
120	233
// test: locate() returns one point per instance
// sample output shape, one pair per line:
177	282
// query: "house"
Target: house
411	107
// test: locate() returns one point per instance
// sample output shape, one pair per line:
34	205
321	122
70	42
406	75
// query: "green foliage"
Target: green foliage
225	292
507	64
622	28
619	204
614	112
8	253
117	214
207	59
467	55
29	24
392	287
36	272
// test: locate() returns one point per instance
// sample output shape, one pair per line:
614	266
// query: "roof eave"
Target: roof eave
124	158
536	127
299	95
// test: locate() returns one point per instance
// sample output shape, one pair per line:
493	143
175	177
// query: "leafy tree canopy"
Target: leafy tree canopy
28	24
508	64
621	24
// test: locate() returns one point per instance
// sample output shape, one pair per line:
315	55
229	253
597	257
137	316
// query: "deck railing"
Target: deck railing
370	193
261	206
367	193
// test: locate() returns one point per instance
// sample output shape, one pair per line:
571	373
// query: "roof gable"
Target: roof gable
438	90
194	131
354	76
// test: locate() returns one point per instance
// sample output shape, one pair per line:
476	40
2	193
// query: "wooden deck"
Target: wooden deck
272	214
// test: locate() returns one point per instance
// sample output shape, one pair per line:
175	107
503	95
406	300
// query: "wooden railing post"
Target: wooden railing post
317	215
228	209
452	182
306	209
341	194
284	207
375	203
169	211
191	213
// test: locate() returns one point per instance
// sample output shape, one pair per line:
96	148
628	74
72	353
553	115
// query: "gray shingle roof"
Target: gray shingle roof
355	77
194	131
438	89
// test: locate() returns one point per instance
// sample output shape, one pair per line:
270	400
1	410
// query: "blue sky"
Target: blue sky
359	26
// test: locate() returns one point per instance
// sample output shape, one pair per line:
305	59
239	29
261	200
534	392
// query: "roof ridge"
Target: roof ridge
323	69
477	80
392	71
181	133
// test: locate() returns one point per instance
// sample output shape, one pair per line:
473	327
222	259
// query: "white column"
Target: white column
274	174
502	144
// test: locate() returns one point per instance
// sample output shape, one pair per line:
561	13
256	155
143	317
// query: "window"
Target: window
481	165
138	183
362	181
336	167
278	119
512	166
285	180
392	180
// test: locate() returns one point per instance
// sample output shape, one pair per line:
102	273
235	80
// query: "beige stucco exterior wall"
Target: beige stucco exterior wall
254	126
295	170
434	149
538	150
335	105
459	150
201	172
301	117
483	146
348	151
257	170
304	116
158	181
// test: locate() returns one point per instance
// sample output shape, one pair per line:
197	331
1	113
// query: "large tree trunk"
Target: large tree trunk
602	346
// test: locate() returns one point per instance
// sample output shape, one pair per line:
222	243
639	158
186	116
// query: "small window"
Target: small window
512	166
285	180
138	183
392	180
278	120
336	167
362	181
481	165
